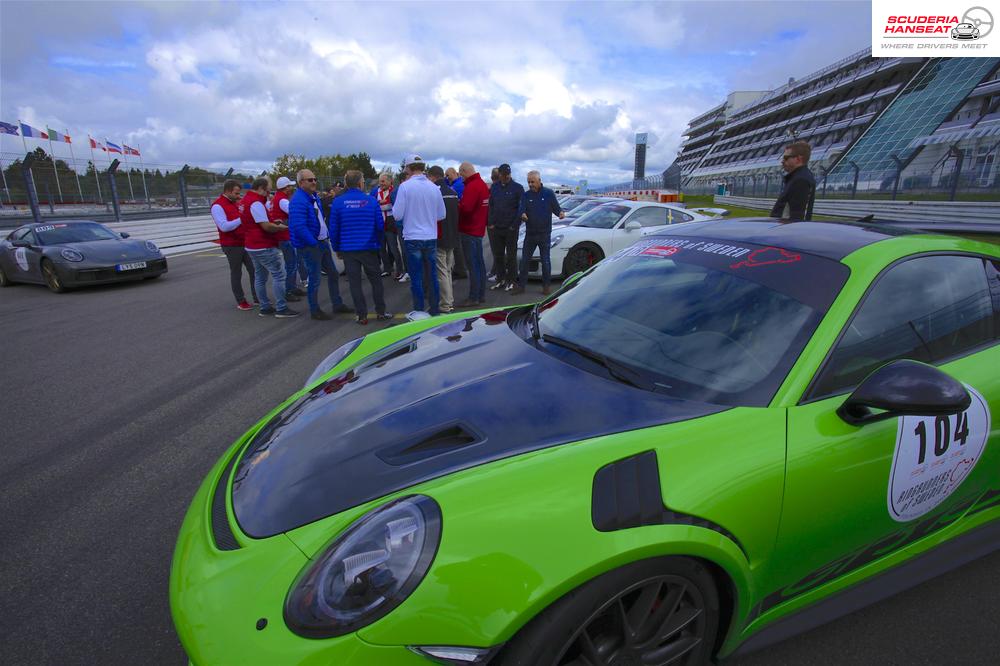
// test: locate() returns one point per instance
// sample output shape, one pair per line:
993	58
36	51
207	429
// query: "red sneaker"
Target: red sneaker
243	305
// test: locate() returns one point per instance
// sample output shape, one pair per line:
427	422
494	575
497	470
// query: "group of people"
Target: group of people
427	231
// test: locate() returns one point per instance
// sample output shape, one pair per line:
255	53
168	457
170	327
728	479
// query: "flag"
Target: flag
130	151
31	132
56	136
7	128
113	148
97	144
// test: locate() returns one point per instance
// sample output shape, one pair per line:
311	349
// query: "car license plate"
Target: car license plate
130	267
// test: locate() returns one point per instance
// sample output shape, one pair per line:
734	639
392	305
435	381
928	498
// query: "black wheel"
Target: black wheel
52	279
580	258
4	280
654	612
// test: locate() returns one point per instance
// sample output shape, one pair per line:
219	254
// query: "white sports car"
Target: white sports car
603	231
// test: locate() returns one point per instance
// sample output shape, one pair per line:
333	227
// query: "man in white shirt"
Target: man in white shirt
420	206
226	215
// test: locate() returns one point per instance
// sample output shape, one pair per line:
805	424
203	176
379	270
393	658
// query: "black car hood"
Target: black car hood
109	251
455	396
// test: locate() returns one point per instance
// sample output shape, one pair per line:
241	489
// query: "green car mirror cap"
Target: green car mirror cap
901	388
367	571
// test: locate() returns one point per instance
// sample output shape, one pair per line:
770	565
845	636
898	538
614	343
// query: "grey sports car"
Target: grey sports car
75	253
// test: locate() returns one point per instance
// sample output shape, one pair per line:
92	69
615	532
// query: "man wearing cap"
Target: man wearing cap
505	198
277	211
310	238
226	214
357	234
473	208
260	240
538	205
447	238
419	206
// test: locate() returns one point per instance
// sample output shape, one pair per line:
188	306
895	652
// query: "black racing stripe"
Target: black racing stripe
222	533
626	494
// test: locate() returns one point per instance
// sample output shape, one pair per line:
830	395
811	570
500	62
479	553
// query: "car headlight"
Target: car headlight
151	246
333	359
555	241
367	571
71	255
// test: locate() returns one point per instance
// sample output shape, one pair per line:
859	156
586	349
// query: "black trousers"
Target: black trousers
238	260
367	260
506	254
491	235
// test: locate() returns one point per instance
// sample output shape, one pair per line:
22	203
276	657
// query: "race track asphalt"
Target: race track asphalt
117	401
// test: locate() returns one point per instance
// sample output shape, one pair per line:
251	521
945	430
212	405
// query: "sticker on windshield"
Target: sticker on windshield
660	251
45	227
934	454
768	256
21	257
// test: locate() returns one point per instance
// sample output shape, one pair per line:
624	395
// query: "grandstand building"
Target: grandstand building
872	123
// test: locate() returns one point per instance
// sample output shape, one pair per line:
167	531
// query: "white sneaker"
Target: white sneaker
404	278
492	278
510	285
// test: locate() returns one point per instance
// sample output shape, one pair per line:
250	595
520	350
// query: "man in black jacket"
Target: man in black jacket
447	238
505	198
795	202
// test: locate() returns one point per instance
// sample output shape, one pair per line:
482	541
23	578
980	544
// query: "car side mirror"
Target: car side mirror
20	243
904	388
632	225
124	234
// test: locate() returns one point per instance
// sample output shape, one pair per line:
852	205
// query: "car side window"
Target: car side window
650	216
20	234
676	216
928	309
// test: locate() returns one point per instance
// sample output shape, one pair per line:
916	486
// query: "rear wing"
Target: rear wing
979	231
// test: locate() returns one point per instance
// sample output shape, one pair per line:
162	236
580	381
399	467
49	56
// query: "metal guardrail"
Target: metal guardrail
12	221
919	211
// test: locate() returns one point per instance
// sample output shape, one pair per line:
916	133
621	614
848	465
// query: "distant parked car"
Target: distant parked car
586	206
76	253
603	231
965	31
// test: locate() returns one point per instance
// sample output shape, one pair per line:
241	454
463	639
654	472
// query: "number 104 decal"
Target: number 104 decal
934	454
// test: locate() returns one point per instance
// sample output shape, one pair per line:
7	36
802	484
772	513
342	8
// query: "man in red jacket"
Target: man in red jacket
226	214
473	209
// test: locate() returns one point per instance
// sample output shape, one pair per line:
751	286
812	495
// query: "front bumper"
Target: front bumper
75	275
556	256
219	598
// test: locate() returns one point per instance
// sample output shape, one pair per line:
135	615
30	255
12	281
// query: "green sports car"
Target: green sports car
722	435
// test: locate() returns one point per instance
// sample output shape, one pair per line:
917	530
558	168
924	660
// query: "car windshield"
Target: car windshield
602	217
697	319
585	207
76	232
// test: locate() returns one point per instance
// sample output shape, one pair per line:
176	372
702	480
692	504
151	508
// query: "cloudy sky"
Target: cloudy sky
562	87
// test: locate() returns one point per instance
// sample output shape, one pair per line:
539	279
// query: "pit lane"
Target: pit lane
117	401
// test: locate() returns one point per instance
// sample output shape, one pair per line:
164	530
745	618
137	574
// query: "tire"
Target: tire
580	258
4	280
52	279
670	605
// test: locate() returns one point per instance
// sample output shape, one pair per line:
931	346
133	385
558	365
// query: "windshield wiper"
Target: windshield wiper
536	328
617	370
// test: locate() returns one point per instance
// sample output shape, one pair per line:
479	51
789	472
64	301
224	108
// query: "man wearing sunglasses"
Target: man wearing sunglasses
795	202
311	240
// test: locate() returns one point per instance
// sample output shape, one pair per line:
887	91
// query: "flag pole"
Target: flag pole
128	172
97	176
55	170
31	172
72	156
142	170
4	174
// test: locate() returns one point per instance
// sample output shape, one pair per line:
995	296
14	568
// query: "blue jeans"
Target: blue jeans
268	262
544	244
473	247
418	254
291	264
319	258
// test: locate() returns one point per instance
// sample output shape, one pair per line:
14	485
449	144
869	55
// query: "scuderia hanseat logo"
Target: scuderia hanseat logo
931	28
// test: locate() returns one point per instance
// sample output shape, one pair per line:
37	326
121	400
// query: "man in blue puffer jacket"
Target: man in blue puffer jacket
357	234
